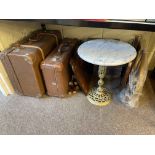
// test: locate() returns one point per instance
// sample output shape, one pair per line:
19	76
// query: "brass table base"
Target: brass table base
99	99
100	96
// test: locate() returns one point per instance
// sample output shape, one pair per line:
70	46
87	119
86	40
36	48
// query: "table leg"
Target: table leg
100	96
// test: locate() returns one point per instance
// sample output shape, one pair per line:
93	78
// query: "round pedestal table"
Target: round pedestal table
105	52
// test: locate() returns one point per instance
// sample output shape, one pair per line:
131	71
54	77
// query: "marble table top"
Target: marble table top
107	52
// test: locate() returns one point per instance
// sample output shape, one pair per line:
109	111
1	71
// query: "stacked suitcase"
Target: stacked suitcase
56	69
40	63
22	62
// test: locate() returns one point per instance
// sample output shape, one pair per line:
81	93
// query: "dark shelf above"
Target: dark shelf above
141	25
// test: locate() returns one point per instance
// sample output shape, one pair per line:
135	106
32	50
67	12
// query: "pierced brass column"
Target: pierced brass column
100	96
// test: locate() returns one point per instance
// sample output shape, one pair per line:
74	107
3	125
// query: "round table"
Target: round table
105	52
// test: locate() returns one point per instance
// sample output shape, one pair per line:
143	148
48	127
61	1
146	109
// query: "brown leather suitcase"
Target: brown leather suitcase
7	64
10	71
56	69
25	61
83	72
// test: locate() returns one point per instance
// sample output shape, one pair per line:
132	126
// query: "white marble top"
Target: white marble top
107	52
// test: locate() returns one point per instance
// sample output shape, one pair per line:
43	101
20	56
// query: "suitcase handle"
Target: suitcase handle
51	34
36	38
63	47
39	36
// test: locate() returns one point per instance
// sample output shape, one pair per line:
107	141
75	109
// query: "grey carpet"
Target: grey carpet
75	115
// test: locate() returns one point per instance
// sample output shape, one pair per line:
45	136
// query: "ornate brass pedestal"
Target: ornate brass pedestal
100	96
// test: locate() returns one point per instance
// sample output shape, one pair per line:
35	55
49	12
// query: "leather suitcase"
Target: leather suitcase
8	66
24	62
83	72
56	69
10	71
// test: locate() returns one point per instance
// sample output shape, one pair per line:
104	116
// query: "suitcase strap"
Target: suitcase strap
36	47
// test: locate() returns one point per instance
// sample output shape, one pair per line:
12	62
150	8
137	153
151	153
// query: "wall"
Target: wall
5	84
10	32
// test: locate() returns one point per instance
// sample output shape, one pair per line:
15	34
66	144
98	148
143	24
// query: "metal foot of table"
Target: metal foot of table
100	96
